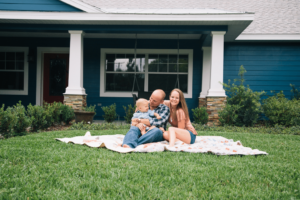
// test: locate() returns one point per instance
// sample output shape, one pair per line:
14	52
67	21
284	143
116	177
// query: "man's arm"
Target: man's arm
164	112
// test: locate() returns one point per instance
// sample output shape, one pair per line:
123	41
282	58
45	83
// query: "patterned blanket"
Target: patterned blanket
214	144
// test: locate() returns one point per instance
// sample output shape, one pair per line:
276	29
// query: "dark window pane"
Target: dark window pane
20	56
163	58
2	65
10	64
153	59
20	65
172	67
167	82
124	82
120	56
2	55
110	67
110	57
163	67
183	67
11	80
140	61
183	59
152	67
57	81
172	58
10	56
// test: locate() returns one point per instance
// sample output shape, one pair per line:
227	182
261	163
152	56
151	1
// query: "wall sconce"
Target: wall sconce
30	57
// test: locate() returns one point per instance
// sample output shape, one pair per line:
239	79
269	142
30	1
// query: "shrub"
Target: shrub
249	107
279	110
295	92
109	113
22	120
39	118
200	115
90	108
54	111
67	114
129	113
7	121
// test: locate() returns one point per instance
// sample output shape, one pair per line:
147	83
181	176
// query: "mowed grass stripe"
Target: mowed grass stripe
39	167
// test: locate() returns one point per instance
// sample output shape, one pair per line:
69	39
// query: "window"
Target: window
13	70
155	69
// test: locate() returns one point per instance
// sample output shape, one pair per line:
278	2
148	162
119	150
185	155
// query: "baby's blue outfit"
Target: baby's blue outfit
143	115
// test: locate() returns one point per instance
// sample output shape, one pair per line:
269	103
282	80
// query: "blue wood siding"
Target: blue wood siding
269	66
37	5
92	69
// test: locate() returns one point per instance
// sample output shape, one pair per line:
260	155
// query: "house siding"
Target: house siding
269	66
37	5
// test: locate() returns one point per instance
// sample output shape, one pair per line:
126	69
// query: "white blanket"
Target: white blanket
214	144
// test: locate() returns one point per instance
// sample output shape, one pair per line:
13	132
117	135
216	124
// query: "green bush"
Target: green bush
109	113
249	107
53	109
67	114
129	111
90	108
22	120
279	110
39	118
295	92
7	121
200	115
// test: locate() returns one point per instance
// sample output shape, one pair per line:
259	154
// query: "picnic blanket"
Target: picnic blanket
214	144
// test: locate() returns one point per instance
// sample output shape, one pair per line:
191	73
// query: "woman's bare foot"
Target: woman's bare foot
126	146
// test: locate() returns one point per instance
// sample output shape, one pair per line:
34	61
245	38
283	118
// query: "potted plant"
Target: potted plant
86	115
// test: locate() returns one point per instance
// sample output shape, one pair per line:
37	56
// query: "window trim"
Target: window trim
20	49
104	51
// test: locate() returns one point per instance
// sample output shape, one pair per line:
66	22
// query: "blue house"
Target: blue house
101	52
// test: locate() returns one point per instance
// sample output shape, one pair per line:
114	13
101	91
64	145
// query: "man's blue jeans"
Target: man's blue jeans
133	138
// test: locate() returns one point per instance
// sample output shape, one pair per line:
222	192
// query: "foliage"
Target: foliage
109	113
90	108
22	120
67	113
54	111
249	107
129	113
7	121
280	110
39	118
295	92
200	115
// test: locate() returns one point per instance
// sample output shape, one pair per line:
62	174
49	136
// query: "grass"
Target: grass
38	167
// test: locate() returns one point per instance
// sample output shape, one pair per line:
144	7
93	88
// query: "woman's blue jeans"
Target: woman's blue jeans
133	138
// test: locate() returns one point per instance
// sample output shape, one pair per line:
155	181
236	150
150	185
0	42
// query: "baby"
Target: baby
143	112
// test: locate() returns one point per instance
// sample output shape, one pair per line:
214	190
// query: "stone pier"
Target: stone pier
77	102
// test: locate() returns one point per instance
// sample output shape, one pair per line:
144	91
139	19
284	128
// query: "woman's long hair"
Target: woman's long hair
181	104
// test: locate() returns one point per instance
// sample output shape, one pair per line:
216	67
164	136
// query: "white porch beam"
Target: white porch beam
75	86
217	65
205	71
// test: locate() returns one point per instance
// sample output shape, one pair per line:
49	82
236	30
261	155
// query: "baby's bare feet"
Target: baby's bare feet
126	146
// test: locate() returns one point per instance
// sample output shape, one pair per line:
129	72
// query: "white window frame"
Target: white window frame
18	49
104	51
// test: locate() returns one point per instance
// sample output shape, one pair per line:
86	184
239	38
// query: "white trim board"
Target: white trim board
18	92
269	37
39	71
104	51
81	6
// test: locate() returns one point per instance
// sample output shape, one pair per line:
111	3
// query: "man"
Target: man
133	138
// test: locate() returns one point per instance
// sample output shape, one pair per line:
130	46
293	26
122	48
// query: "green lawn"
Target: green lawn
38	167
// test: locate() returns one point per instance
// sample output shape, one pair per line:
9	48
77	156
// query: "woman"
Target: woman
182	127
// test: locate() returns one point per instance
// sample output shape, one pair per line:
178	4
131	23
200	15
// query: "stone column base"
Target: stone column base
214	105
77	102
202	102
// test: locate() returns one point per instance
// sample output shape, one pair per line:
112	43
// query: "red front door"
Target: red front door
56	68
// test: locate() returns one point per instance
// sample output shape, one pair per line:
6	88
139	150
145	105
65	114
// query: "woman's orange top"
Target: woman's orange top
180	116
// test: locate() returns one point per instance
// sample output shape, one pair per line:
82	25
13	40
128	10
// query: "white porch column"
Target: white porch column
205	71
75	86
217	65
